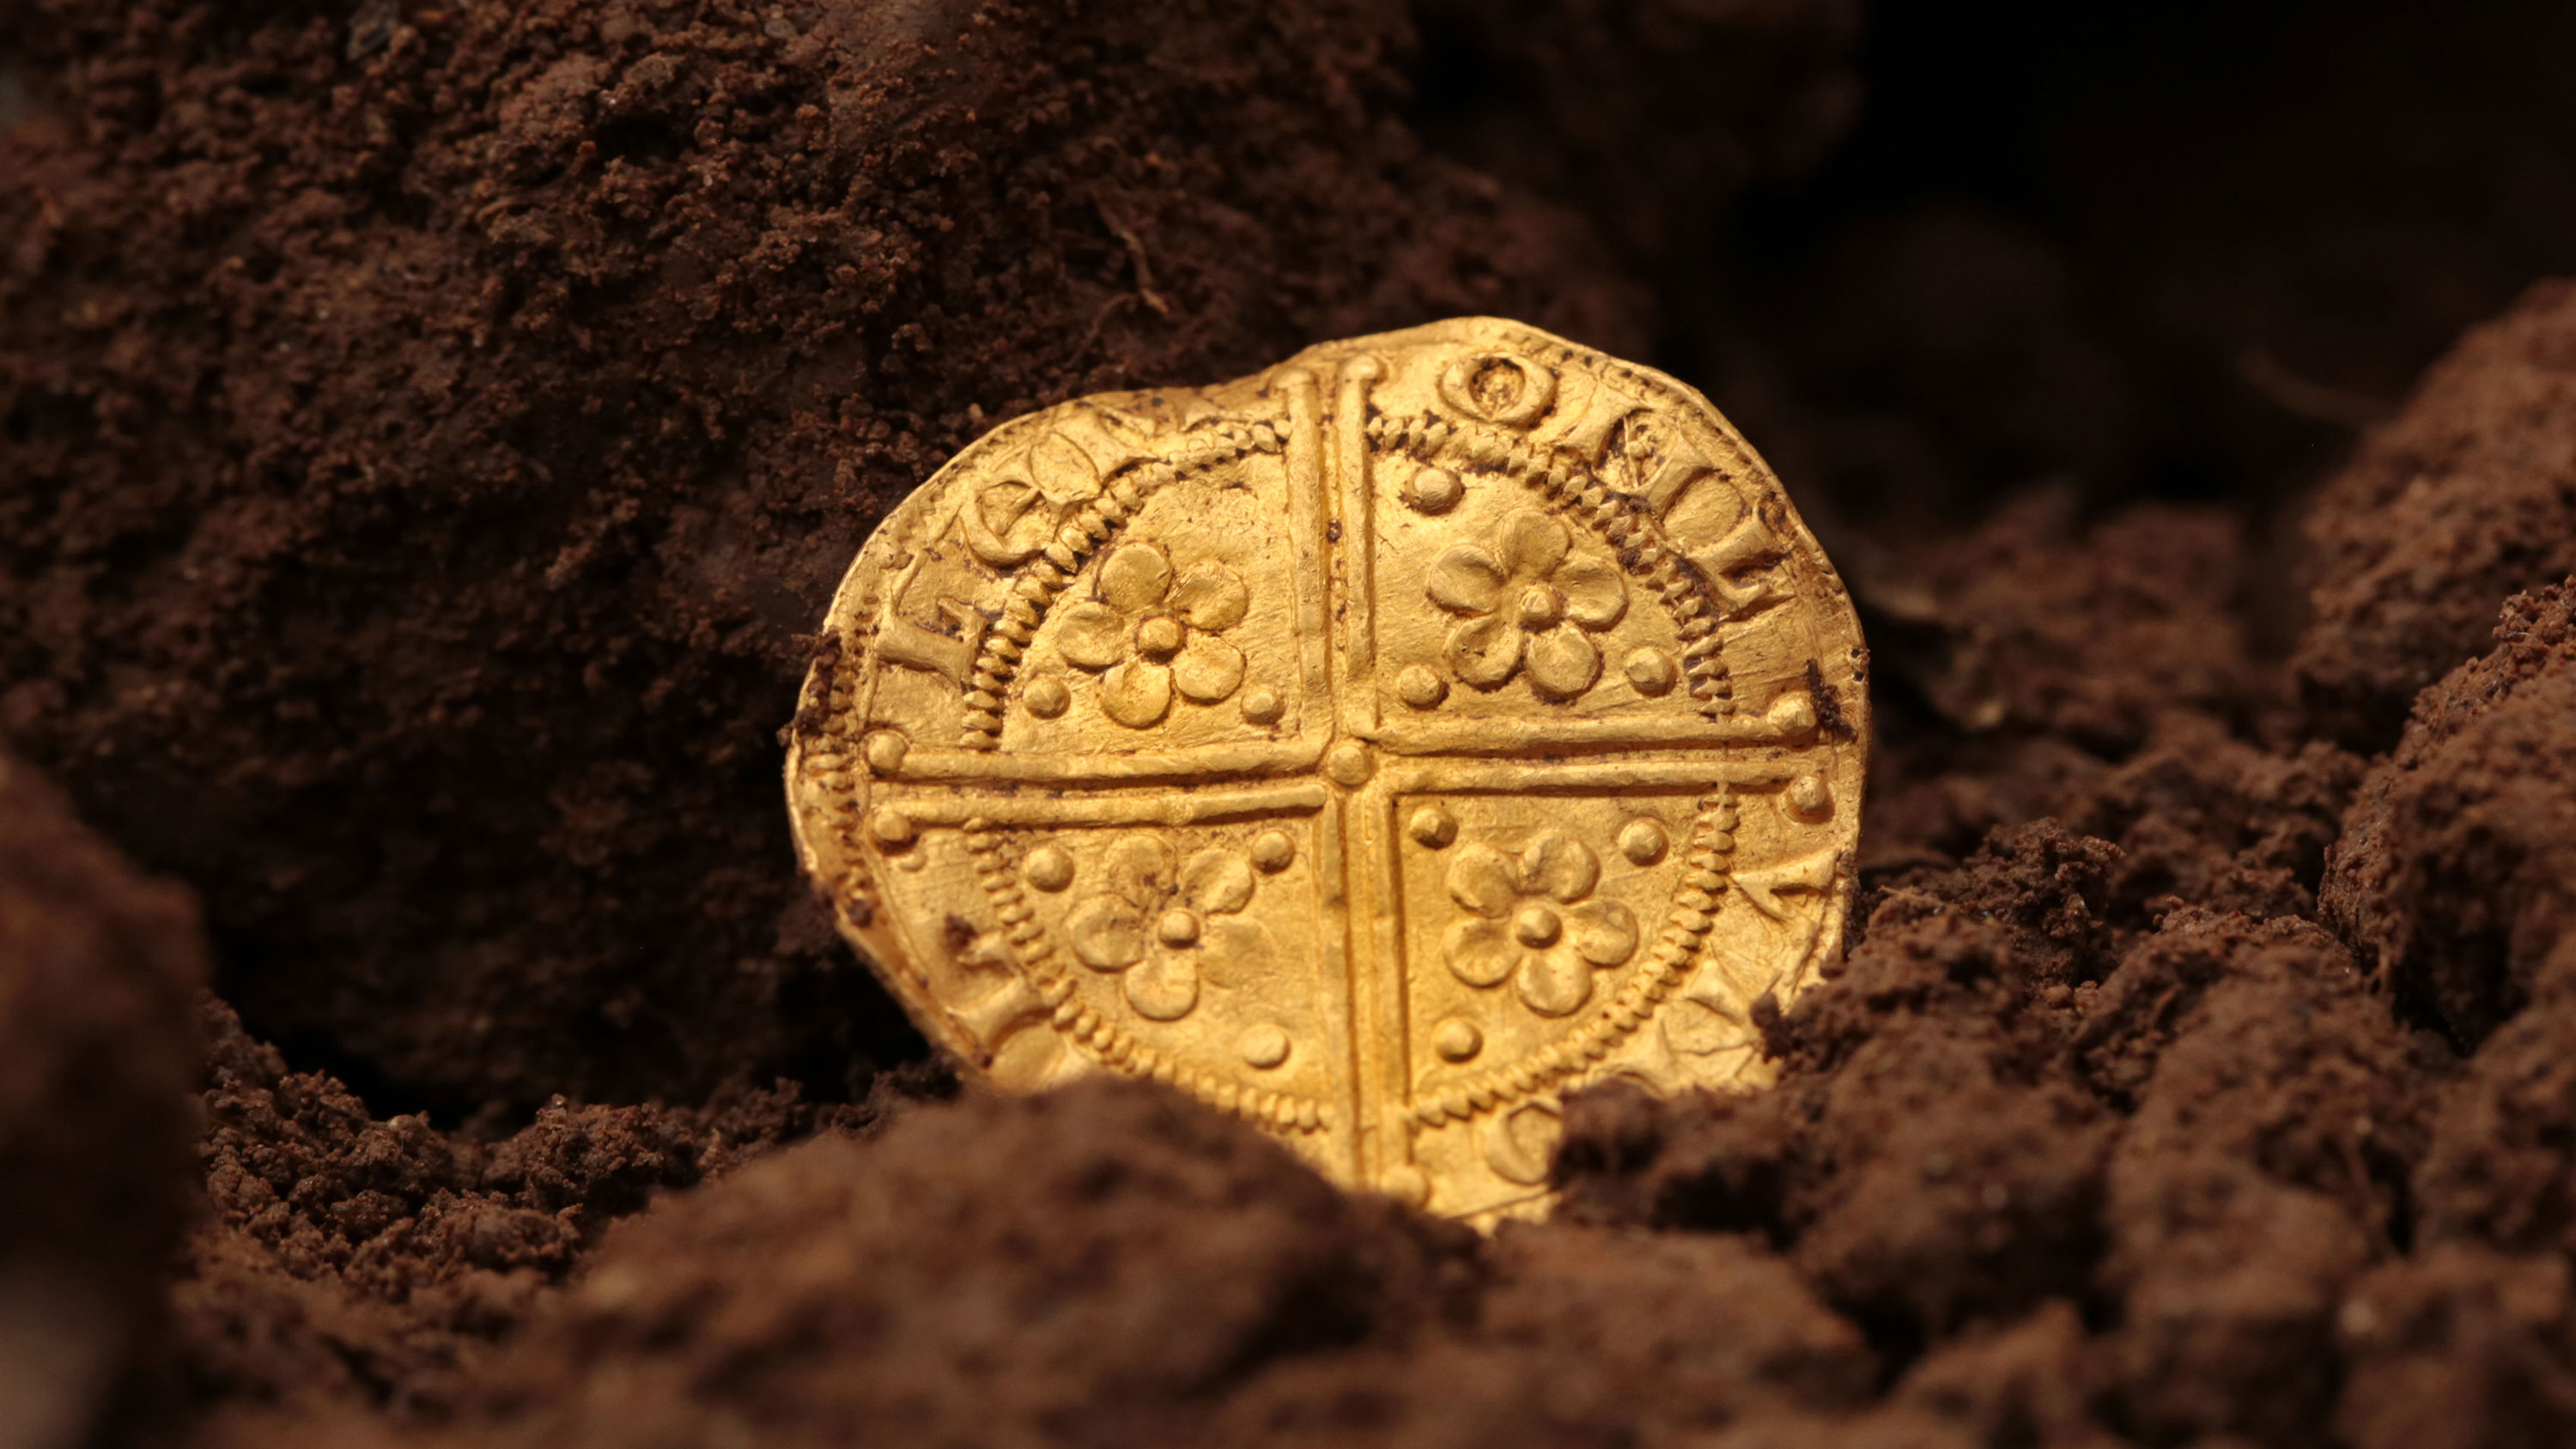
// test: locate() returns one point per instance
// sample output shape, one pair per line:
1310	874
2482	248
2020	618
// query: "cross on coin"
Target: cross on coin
1376	748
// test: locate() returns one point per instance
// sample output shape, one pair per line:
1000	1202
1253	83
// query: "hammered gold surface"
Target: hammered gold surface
1377	748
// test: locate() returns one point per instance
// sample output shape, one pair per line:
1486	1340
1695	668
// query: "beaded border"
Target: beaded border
1079	1025
1621	520
1633	534
1047	576
1694	912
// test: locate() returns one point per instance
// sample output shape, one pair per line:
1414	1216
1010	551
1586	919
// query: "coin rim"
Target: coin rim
934	1018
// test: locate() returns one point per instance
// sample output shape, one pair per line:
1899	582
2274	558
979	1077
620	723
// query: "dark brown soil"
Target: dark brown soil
434	428
2466	497
97	965
346	1259
427	431
2457	871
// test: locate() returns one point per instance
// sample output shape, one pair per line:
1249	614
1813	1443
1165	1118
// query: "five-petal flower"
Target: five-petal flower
1163	924
1155	632
1528	602
1532	919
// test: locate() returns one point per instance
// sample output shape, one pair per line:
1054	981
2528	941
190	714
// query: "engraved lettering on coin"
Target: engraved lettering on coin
1362	748
1497	387
1697	1027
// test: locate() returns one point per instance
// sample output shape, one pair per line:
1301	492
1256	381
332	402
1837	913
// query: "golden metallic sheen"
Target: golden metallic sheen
1377	748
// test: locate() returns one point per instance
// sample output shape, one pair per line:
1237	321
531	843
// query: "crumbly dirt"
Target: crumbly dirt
2457	872
428	429
2469	495
342	1258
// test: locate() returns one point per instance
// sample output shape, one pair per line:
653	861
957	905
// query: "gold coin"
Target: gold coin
1377	748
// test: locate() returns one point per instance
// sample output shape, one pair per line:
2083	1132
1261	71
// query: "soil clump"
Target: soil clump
97	1057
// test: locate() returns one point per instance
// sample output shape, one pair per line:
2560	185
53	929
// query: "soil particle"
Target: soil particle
2498	1170
1581	1337
2035	1381
2038	664
2453	876
2204	816
2263	1166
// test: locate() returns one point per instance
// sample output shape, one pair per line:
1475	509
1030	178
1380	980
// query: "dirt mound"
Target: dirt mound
351	1263
2454	872
1112	1265
2198	1141
97	1050
2468	496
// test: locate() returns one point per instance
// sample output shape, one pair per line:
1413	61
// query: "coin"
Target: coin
1377	748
